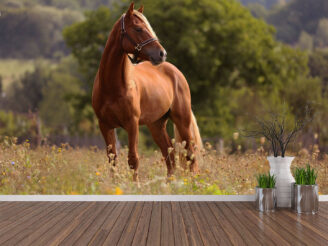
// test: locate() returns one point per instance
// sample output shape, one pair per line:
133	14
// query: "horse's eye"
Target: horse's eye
138	29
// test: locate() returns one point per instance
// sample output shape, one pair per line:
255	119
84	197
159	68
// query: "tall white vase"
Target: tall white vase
280	167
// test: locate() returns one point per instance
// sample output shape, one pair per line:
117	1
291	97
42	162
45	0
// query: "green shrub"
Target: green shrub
266	181
305	176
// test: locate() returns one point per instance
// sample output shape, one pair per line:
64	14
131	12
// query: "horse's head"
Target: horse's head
139	39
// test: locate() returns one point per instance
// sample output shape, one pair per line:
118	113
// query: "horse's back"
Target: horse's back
165	70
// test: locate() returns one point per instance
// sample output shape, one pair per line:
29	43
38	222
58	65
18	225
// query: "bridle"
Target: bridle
137	46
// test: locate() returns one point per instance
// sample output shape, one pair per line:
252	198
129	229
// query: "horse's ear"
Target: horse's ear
130	10
141	9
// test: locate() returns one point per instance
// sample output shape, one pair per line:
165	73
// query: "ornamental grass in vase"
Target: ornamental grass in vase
266	200
305	197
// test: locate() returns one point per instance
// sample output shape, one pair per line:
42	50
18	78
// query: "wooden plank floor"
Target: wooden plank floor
157	223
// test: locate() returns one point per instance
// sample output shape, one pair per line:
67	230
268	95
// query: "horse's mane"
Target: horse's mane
144	19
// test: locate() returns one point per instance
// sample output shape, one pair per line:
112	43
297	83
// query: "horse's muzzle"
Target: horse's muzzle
158	57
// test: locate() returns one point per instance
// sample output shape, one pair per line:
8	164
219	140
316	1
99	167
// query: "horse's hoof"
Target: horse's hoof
195	170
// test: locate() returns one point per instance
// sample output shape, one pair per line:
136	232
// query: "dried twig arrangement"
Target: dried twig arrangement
276	132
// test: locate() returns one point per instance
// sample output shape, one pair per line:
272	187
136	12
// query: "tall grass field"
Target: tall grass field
67	170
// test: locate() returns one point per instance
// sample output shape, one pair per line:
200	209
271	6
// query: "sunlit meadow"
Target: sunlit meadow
67	170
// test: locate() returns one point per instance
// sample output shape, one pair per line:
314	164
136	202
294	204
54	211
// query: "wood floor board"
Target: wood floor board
193	235
202	224
141	234
167	234
180	236
61	228
86	237
268	221
28	235
261	225
102	233
294	227
253	228
131	226
233	235
247	236
154	232
13	229
115	234
157	223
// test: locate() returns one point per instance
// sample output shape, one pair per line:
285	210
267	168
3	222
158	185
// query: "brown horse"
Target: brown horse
128	95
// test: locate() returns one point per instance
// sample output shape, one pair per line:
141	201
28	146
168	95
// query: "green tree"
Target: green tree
305	41
26	94
56	108
322	33
34	31
318	64
298	16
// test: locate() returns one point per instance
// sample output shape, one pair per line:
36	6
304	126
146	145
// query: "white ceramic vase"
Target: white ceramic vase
280	167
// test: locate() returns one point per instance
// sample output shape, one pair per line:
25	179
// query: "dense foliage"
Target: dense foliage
33	31
301	18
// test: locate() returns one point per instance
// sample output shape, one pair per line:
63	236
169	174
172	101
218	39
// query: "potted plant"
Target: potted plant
279	132
305	197
265	199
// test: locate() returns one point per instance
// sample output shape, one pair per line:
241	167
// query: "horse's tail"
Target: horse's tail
194	131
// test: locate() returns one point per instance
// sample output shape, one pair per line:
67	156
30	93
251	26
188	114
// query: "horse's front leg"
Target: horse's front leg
110	139
133	158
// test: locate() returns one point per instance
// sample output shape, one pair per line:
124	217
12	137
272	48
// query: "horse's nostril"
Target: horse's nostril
162	53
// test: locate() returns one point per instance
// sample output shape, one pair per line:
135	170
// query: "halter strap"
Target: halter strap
137	46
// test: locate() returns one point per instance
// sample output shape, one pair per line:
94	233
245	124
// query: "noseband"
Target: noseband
137	46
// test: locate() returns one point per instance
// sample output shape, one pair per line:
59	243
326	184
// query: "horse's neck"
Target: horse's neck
114	67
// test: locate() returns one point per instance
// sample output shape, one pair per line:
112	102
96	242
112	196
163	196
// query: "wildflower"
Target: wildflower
262	140
208	145
173	141
12	163
170	149
74	193
29	177
59	150
3	173
171	178
118	191
97	173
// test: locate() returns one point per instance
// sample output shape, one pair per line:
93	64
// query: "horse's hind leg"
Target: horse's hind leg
183	124
160	136
110	139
